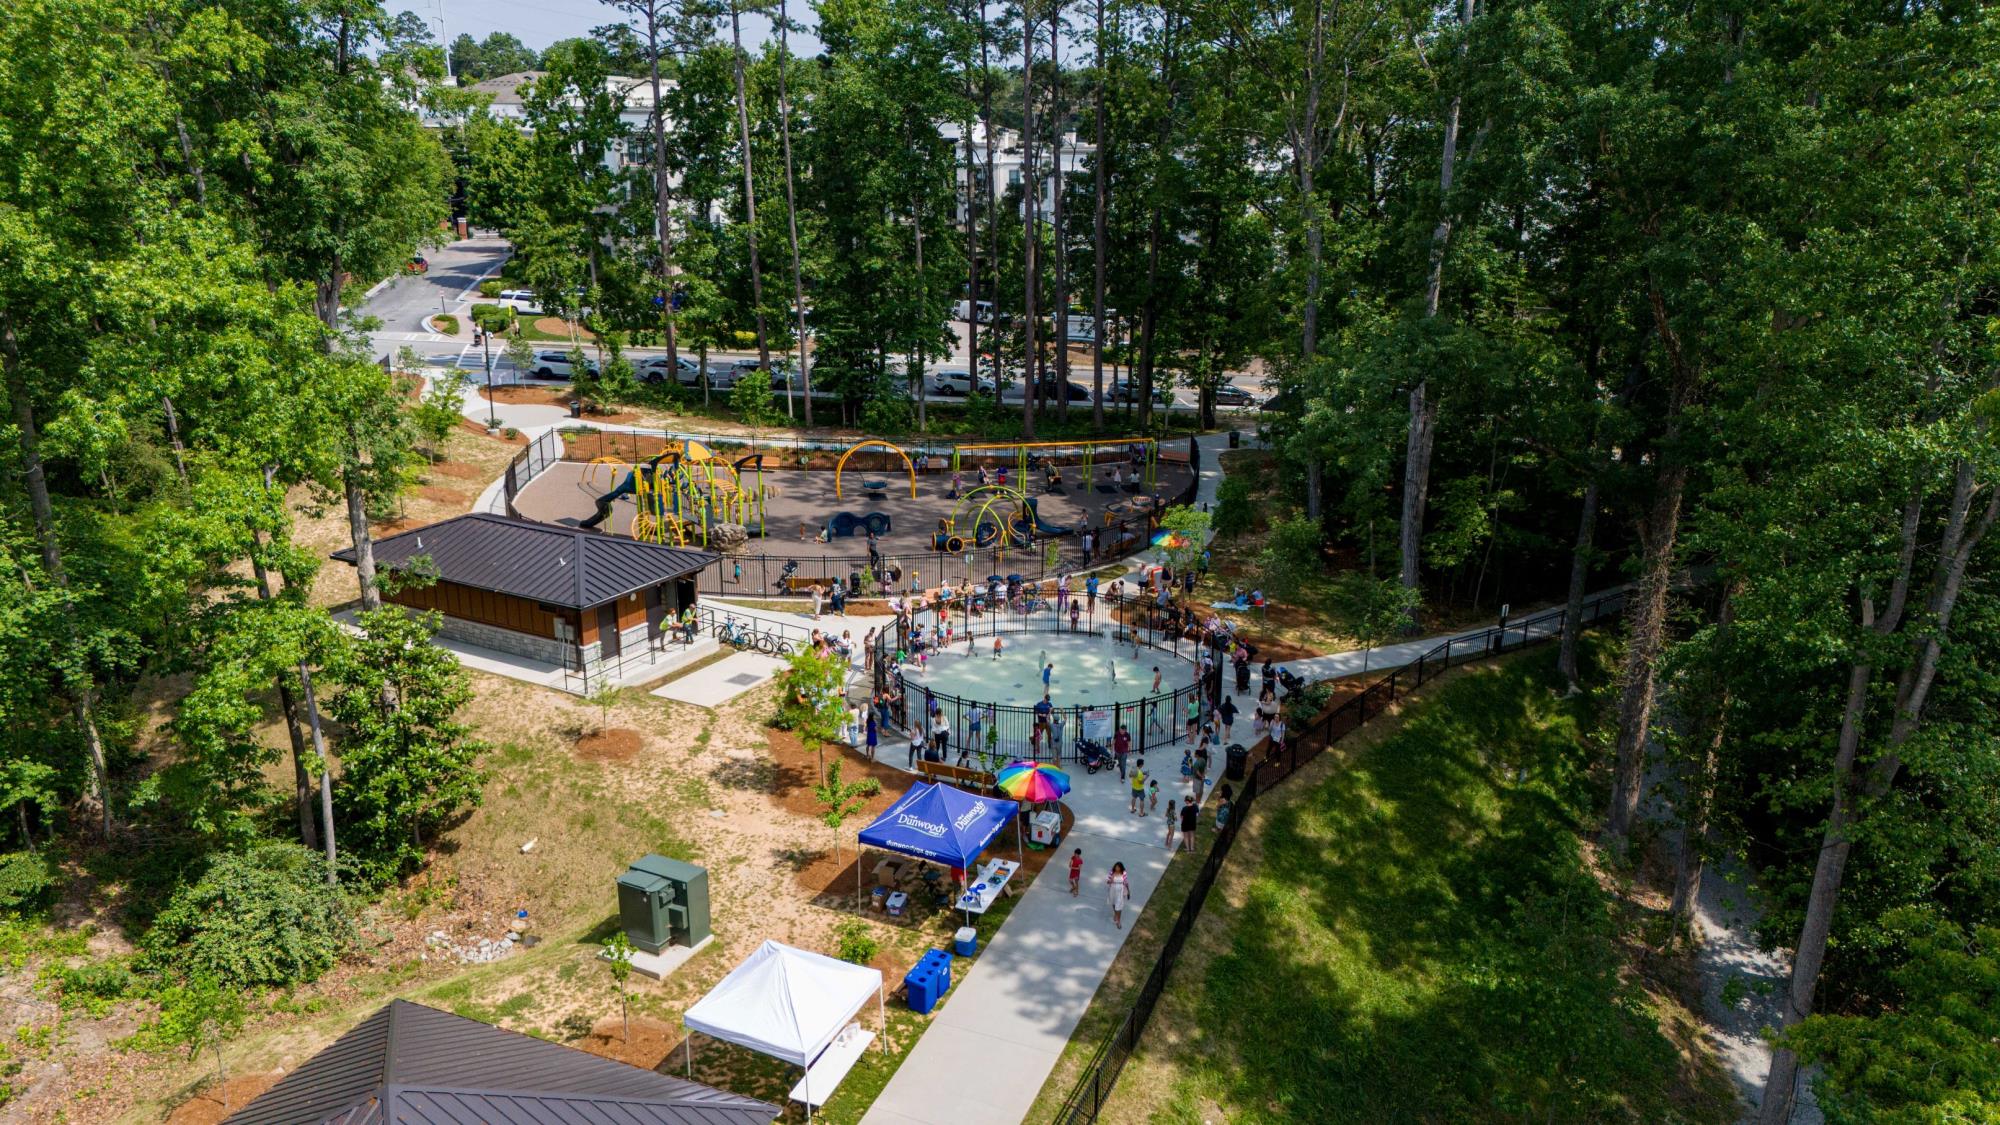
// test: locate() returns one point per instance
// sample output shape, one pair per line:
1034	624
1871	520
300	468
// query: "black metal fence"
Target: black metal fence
772	573
1275	763
984	730
539	454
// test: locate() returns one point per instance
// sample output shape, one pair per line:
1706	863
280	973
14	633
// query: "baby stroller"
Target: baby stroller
791	568
1095	757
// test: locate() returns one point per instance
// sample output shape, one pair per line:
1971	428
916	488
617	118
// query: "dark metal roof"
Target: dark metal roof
419	1066
564	566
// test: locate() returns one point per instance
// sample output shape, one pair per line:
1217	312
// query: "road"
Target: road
402	304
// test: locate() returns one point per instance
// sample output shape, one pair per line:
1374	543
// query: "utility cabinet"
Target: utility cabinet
663	902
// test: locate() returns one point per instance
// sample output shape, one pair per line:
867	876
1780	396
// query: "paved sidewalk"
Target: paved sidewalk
987	1052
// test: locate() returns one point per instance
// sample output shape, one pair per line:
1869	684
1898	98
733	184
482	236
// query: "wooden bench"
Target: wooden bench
958	775
800	584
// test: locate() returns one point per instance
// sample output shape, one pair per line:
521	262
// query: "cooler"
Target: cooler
897	903
965	942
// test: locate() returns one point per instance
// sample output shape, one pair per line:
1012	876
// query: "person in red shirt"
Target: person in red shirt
1121	745
1075	871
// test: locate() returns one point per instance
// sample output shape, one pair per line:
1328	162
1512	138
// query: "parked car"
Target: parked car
1229	394
1080	330
558	365
1049	393
1127	390
784	375
523	300
957	381
984	312
654	370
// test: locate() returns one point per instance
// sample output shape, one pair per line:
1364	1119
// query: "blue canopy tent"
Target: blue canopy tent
941	824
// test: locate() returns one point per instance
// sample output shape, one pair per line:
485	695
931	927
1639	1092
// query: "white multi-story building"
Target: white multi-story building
1008	163
635	95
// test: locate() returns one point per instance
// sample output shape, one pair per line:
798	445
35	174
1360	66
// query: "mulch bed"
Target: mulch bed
616	746
208	1107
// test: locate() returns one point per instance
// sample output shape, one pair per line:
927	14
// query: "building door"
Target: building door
607	630
656	614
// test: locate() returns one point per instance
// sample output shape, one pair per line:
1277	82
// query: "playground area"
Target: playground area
921	510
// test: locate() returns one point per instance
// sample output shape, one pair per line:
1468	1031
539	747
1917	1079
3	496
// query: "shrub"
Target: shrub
26	878
446	323
1291	556
854	941
490	288
1234	515
744	341
262	917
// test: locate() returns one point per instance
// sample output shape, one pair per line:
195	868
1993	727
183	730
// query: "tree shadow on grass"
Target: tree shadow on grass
1423	941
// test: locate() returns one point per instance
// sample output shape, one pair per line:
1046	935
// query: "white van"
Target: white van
965	310
1081	330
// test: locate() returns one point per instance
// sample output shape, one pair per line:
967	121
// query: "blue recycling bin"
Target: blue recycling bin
924	991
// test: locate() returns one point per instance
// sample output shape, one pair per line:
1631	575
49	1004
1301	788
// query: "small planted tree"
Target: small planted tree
604	698
842	799
200	1013
618	953
1377	610
1189	527
1289	557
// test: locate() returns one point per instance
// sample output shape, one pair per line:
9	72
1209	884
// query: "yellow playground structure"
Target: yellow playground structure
683	493
1143	454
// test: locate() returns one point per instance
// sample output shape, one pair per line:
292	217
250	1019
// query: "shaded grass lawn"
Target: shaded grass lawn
1419	937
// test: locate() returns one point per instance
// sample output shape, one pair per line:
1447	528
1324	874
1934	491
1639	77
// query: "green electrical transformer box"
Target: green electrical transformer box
663	902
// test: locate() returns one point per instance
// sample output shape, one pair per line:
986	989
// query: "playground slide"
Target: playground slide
1042	526
604	502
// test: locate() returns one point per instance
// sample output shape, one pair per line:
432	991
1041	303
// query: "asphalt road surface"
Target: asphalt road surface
401	304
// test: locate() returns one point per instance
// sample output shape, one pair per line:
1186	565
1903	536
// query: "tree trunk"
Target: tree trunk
992	198
1579	573
663	229
750	202
1059	300
916	363
174	438
1308	161
1031	190
1698	786
971	247
76	681
1423	403
792	212
357	526
1101	235
301	778
1645	636
1912	693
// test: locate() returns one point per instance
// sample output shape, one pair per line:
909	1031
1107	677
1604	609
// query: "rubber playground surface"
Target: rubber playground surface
799	503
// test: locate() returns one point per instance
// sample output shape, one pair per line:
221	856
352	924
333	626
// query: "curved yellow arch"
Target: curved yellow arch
891	446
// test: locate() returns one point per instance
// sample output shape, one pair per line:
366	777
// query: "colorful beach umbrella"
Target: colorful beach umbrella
1033	781
1170	540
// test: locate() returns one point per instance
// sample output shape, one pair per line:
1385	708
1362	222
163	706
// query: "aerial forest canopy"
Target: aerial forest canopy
1699	297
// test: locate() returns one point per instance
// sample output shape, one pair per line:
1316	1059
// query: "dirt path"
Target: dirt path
1741	986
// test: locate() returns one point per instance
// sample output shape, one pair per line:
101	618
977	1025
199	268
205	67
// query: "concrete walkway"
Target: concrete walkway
722	681
987	1052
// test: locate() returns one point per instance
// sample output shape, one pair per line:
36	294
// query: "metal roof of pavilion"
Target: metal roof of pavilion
561	566
419	1066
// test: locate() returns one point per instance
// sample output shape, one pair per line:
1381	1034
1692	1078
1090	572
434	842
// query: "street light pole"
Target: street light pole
486	346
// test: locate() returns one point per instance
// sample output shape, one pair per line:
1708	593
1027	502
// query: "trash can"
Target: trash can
1235	439
575	408
1239	761
921	987
965	942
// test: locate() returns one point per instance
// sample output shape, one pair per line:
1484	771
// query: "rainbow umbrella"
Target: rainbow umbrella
1170	540
1033	781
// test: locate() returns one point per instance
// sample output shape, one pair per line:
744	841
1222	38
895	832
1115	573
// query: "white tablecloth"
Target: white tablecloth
987	885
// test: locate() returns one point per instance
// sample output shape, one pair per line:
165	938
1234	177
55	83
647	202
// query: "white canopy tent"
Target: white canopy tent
795	1005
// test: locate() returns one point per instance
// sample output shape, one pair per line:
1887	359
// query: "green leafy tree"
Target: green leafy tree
1375	610
618	954
261	917
842	799
408	765
199	1013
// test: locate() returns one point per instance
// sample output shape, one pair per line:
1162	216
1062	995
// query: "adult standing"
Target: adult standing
873	733
1227	712
1120	889
818	595
1277	735
1090	583
1121	745
1188	813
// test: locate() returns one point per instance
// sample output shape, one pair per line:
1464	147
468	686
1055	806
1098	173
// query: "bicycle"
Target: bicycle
730	633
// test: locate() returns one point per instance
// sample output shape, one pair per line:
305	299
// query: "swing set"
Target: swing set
1147	469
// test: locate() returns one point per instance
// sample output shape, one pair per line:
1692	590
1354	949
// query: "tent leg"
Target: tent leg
688	1044
882	1012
